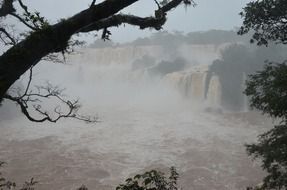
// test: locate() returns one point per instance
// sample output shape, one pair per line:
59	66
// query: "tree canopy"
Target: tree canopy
268	20
267	88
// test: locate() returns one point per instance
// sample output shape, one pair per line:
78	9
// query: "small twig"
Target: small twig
29	82
24	7
13	41
23	21
46	92
93	3
157	3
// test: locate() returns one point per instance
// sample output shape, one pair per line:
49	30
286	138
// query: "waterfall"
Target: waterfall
181	82
245	98
193	83
190	85
198	86
214	93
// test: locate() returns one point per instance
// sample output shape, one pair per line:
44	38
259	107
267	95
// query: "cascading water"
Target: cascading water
245	98
214	92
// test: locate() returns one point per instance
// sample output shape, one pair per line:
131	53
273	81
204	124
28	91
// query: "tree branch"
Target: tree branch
34	99
155	22
93	3
23	21
119	19
23	6
12	40
6	8
55	38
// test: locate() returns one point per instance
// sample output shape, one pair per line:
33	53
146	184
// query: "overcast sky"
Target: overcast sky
209	14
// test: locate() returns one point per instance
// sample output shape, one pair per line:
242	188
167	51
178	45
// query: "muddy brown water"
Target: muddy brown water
206	148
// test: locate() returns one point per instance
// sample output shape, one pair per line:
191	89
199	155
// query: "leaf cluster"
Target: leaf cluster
268	93
268	20
268	90
272	149
36	20
151	180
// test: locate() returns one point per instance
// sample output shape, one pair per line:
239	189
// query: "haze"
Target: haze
162	99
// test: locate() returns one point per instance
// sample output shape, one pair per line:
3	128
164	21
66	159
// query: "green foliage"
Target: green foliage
36	20
152	180
267	18
272	149
268	90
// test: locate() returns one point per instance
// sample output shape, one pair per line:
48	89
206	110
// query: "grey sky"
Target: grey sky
209	14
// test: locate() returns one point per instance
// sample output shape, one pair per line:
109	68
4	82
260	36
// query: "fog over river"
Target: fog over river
148	119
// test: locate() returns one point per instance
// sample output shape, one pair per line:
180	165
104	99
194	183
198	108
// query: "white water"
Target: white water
214	92
145	124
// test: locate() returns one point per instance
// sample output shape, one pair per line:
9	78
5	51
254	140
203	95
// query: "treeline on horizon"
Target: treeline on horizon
164	38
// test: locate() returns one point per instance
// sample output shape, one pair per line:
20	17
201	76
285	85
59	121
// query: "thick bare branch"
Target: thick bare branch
116	20
155	22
